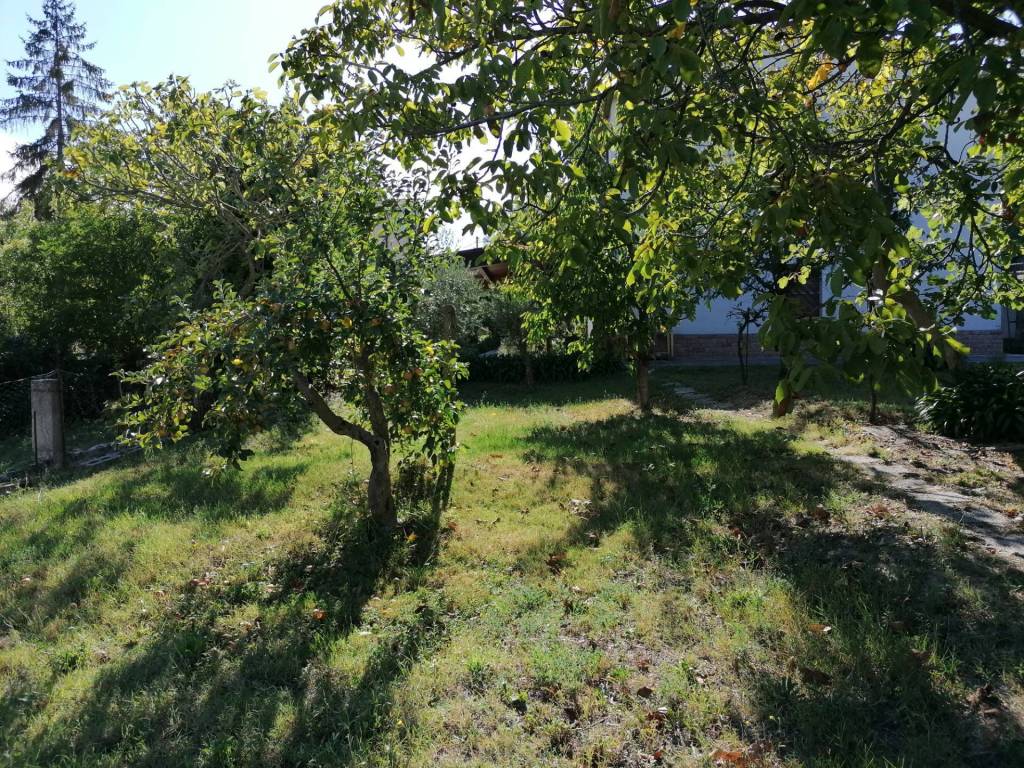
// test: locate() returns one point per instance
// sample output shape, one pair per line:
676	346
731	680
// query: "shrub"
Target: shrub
983	402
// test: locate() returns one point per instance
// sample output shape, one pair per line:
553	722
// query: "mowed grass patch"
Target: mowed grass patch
607	589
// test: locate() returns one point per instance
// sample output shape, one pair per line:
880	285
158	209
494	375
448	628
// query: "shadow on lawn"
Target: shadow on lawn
239	672
916	626
77	530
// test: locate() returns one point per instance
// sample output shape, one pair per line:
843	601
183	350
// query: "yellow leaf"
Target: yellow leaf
678	32
820	75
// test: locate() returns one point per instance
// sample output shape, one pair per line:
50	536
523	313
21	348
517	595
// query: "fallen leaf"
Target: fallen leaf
983	695
880	511
815	676
581	507
729	757
820	514
658	715
556	561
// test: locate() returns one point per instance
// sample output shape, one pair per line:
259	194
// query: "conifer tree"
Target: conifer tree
54	86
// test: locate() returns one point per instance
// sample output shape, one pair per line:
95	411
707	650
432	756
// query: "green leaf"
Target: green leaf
563	131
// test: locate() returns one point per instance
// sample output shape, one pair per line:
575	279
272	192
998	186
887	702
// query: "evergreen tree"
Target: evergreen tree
55	86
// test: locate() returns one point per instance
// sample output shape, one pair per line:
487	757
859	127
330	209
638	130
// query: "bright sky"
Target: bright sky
211	41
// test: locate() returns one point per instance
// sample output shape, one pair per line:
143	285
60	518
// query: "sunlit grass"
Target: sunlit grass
607	589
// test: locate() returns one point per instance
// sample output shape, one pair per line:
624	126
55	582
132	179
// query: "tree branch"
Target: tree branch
334	422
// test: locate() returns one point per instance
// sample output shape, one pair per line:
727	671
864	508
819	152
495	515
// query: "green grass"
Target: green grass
724	384
608	589
830	411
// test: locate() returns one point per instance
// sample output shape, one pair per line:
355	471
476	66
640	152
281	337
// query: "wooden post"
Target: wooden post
48	423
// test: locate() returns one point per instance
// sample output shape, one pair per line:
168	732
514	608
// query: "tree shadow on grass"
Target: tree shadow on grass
238	671
915	626
77	531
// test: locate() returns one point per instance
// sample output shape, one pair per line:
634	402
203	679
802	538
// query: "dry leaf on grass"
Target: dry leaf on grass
814	676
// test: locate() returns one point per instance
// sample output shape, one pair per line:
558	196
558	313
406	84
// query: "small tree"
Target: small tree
336	248
453	306
507	313
55	86
575	258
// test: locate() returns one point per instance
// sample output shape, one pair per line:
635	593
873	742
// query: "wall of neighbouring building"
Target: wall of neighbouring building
711	335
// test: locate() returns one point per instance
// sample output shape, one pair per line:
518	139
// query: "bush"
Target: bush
547	368
983	402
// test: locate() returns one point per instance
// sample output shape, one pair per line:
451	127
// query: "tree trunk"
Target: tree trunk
643	383
449	322
379	496
530	378
785	406
743	351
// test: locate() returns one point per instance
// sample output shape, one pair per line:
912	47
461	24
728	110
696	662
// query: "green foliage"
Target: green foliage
505	316
317	255
547	368
454	306
222	171
983	402
694	158
91	282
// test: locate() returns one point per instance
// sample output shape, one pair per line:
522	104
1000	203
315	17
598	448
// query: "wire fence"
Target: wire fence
15	406
85	396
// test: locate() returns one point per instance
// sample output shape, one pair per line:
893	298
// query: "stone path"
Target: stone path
989	527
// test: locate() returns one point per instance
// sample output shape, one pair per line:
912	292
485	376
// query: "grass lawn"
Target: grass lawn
606	590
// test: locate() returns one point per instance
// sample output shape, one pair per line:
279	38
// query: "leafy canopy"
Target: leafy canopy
819	117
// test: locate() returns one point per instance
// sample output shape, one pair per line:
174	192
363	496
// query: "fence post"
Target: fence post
48	422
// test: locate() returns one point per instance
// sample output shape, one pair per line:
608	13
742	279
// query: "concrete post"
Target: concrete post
48	423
